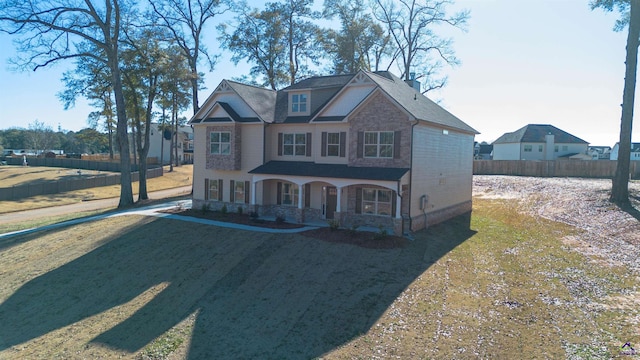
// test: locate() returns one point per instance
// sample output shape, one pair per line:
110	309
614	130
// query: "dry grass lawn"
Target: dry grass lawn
146	288
15	175
20	175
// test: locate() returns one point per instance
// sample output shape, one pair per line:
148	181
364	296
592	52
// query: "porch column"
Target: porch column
253	192
398	205
300	197
339	199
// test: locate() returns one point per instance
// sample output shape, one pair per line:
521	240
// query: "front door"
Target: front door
331	199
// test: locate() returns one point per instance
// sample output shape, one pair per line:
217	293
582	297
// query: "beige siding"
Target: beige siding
442	168
252	146
509	151
348	100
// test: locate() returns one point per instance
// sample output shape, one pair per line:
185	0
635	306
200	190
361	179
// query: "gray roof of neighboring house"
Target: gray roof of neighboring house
301	168
535	133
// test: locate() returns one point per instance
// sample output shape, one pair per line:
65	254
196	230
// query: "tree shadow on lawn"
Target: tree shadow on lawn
256	295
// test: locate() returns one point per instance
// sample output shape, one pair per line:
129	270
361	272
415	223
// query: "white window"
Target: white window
376	202
214	190
238	192
333	144
565	148
378	144
539	148
290	194
220	142
294	144
528	148
299	103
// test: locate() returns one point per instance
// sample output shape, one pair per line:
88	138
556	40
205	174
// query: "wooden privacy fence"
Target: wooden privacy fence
53	187
553	168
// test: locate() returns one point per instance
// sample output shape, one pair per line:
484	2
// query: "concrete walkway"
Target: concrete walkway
156	211
84	206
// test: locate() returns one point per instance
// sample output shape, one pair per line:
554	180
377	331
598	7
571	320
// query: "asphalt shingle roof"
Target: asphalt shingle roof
301	168
535	133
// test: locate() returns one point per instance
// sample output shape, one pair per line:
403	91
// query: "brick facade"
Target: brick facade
225	162
380	114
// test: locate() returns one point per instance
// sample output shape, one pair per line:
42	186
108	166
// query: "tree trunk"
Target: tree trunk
126	192
620	186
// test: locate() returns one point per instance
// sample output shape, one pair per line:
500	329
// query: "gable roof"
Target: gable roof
535	133
272	106
416	104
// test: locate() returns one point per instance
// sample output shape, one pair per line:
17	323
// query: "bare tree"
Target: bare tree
630	10
50	31
411	24
186	21
40	136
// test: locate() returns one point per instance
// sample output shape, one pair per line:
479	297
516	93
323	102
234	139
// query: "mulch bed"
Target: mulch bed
364	239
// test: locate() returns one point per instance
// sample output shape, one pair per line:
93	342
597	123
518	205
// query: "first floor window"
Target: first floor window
239	192
378	144
565	148
294	144
220	142
214	190
539	148
289	194
528	148
376	202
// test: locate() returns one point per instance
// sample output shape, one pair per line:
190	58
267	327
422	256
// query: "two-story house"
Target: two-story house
537	142
364	149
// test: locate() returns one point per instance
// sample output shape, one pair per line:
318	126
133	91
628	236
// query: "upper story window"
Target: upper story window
378	144
220	142
294	144
528	148
333	144
299	103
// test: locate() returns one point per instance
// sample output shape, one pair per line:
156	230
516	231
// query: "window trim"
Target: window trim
528	148
213	182
235	192
377	202
378	145
294	145
220	142
298	103
294	193
335	146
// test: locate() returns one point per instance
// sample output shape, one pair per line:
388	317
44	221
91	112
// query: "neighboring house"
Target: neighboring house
482	151
635	151
160	144
364	149
600	152
538	142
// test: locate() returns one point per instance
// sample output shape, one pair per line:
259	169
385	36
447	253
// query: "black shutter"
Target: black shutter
206	189
323	151
360	149
279	144
279	194
220	182
307	195
343	143
247	192
308	144
396	145
231	191
359	200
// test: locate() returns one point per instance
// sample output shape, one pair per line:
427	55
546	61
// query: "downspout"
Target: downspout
411	169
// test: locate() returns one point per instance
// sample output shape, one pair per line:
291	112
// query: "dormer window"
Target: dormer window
299	103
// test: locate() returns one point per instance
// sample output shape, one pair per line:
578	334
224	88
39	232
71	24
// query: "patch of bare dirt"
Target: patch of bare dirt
610	233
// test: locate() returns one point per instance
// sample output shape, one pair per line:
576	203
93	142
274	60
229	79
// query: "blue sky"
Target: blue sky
523	62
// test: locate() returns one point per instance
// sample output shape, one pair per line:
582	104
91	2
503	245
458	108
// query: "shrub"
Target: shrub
381	234
333	224
353	230
280	219
205	208
240	210
224	210
253	214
